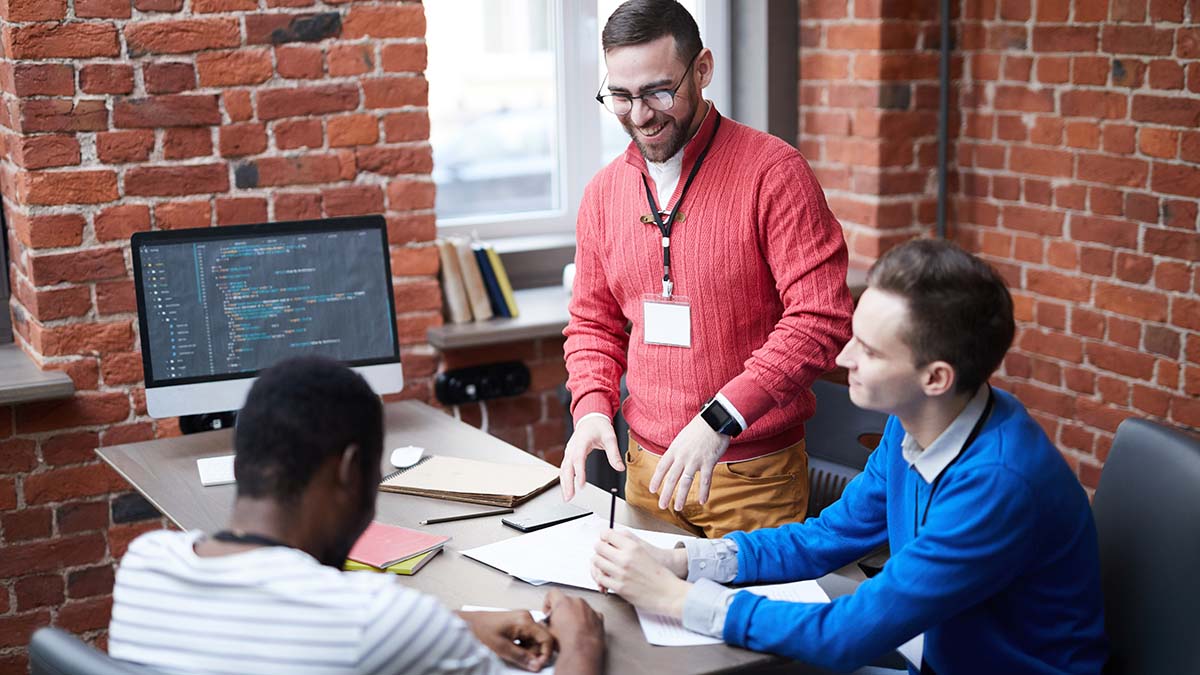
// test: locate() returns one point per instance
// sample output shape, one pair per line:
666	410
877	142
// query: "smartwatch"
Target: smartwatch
719	419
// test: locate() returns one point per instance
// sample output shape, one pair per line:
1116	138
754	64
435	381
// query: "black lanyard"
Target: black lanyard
987	411
665	228
232	537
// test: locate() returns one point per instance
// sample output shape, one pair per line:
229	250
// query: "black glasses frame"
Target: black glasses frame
606	99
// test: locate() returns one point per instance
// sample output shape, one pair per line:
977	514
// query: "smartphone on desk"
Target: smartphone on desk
538	518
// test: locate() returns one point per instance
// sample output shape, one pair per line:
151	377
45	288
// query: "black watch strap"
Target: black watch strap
720	419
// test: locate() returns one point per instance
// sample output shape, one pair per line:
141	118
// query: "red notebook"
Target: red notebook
384	545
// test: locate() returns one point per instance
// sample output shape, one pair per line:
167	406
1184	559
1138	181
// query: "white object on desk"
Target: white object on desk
537	616
560	554
215	470
666	631
406	456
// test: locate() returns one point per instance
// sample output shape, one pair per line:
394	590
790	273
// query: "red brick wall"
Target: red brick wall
1075	170
535	421
120	116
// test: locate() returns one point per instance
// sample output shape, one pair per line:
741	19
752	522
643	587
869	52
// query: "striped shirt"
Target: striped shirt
275	610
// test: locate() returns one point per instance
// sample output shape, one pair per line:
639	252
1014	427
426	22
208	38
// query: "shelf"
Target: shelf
21	381
543	314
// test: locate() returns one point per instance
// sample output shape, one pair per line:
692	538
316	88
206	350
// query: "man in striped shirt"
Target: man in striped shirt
267	595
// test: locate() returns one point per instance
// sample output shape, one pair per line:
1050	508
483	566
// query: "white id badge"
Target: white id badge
666	321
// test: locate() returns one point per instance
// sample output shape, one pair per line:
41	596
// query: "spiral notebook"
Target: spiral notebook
471	480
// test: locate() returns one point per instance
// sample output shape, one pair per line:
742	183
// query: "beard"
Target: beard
669	140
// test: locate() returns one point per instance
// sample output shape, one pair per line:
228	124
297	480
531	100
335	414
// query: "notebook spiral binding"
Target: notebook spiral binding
397	472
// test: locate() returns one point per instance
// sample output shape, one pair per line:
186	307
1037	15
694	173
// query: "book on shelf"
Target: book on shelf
499	306
481	306
506	289
475	283
458	306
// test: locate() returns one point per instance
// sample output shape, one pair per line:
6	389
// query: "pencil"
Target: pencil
465	516
612	508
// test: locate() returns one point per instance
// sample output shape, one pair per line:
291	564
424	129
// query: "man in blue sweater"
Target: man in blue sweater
993	547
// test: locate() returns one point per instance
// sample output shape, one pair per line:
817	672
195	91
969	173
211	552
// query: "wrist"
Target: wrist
678	598
679	562
719	419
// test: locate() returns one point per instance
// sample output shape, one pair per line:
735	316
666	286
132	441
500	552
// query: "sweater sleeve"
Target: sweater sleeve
976	542
846	530
596	344
806	252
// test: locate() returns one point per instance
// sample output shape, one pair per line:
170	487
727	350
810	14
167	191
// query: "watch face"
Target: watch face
720	420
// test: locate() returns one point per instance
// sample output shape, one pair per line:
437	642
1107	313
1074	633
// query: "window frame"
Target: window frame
577	146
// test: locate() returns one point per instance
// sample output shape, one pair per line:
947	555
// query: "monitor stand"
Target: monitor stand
194	424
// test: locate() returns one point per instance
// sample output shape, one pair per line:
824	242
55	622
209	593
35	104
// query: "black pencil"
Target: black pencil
612	508
465	516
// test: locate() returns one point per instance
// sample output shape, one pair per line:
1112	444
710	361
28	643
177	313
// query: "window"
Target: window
516	134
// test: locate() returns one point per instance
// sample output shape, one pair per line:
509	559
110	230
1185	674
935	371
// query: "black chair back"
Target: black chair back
54	651
839	438
1147	510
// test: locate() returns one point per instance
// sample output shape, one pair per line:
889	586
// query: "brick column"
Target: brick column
868	116
124	116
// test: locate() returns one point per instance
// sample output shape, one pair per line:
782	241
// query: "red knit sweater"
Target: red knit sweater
762	261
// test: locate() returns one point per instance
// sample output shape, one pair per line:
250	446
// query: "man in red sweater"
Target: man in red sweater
714	241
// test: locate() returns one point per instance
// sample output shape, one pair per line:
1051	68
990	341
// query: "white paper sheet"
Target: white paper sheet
561	554
215	470
537	616
913	650
669	632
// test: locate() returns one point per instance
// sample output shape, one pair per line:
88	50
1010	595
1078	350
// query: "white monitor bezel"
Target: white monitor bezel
220	393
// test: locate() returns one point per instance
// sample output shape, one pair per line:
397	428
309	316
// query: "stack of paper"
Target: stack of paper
561	554
472	481
395	549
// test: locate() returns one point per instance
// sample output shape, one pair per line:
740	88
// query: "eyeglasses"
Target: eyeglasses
659	99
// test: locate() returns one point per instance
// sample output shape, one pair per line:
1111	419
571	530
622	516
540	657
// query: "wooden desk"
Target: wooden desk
164	471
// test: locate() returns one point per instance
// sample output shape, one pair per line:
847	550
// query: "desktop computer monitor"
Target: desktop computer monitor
217	305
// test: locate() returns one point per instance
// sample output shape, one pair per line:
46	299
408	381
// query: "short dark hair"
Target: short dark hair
640	21
959	309
298	414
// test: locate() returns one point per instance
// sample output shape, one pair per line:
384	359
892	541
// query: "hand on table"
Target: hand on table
595	432
514	636
579	630
695	450
647	576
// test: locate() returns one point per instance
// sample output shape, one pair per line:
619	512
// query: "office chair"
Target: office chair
1147	510
54	651
840	437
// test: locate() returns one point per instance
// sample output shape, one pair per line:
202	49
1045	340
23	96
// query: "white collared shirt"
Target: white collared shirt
931	461
666	177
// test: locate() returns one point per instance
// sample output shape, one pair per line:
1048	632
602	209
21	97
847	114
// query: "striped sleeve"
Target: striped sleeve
409	632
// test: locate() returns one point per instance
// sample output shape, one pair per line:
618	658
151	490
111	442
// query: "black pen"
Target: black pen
612	508
465	516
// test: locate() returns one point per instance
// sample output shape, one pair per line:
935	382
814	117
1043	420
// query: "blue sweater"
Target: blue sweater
1003	576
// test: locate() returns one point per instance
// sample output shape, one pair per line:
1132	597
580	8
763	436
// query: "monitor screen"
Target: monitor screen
217	305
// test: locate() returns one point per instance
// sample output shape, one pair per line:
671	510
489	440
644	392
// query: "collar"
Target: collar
671	167
931	461
691	149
